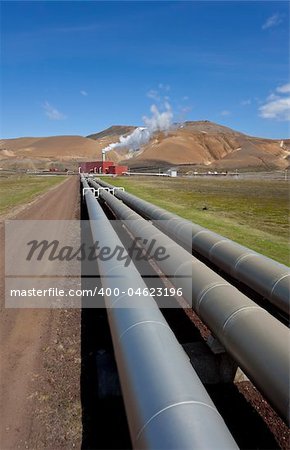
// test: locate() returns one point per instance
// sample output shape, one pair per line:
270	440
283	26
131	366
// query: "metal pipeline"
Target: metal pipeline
255	339
265	276
166	404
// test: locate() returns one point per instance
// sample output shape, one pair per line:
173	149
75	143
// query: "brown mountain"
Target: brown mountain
201	143
205	143
59	151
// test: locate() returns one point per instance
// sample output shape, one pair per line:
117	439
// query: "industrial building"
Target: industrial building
104	167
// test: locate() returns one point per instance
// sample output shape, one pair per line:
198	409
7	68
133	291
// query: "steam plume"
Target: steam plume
159	121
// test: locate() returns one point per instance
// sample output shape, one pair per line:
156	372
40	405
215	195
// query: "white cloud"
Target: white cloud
277	106
225	112
276	109
283	89
273	21
160	94
84	93
272	97
153	94
164	87
246	102
52	113
186	109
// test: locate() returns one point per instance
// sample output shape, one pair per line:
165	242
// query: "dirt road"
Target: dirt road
40	353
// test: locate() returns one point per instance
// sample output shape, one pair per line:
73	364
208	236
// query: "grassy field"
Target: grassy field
254	213
20	189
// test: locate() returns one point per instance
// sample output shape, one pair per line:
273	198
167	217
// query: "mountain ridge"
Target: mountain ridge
197	143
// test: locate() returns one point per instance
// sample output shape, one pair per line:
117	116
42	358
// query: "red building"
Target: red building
95	166
106	167
118	170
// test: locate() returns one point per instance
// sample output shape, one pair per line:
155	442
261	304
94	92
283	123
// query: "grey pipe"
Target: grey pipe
166	404
265	276
256	340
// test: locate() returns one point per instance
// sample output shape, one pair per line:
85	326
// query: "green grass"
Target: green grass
252	212
16	190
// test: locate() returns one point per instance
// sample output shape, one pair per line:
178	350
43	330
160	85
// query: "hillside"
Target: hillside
200	143
114	131
208	144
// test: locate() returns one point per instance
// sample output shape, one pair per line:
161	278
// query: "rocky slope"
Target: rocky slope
214	146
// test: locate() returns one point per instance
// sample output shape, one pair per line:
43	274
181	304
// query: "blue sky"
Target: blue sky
79	67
